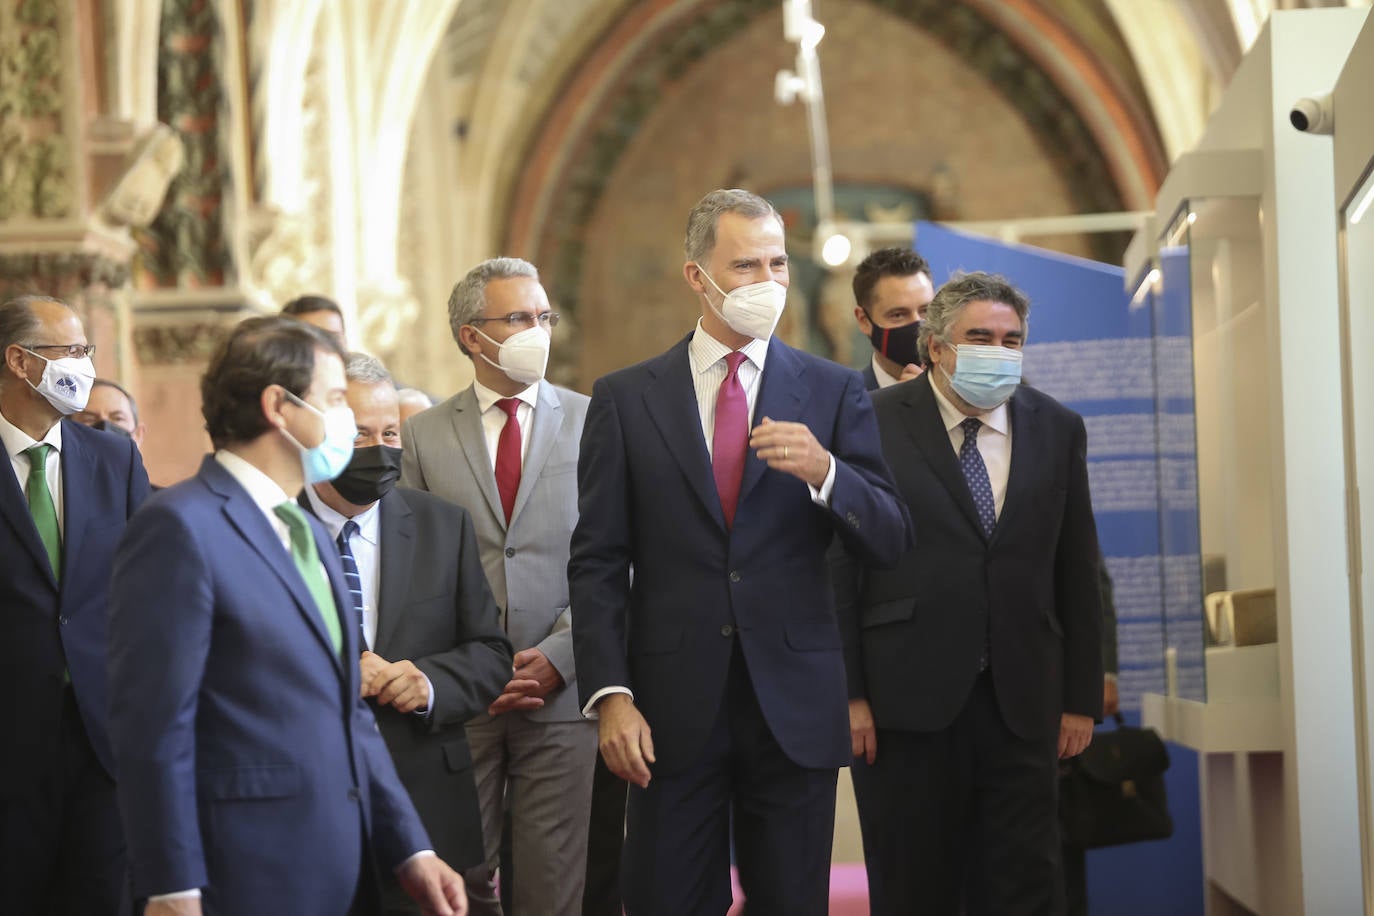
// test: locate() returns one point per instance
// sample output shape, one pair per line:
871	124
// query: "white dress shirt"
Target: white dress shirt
267	495
994	441
494	418
884	380
709	369
16	441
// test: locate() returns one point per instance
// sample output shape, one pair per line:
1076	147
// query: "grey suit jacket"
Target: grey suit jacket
527	561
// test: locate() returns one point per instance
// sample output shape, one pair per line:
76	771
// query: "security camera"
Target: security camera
1313	115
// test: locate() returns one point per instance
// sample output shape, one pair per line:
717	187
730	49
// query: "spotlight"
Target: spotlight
836	249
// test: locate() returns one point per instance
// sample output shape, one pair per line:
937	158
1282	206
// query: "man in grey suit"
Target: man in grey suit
506	450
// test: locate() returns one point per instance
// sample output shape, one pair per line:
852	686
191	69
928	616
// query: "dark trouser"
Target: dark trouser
962	821
677	848
1075	880
605	836
61	844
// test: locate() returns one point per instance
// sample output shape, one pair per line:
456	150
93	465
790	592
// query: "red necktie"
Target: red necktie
508	456
730	440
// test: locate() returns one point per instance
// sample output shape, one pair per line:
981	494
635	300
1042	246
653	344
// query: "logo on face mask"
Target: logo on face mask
752	310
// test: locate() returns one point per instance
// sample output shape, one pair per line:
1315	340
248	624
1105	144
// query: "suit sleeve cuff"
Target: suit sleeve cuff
589	711
192	894
821	496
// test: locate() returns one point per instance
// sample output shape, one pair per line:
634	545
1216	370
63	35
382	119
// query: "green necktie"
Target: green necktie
41	506
308	562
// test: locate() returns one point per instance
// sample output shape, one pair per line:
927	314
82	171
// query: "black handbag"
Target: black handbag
1113	792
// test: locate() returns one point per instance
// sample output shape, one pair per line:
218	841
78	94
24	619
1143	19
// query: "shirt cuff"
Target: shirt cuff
589	711
821	497
418	855
193	893
426	709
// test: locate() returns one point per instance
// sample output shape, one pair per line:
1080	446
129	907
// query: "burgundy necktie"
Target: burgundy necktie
730	440
508	456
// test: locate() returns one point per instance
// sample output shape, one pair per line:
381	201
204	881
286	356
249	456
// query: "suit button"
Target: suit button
852	519
727	631
510	551
734	575
354	794
62	621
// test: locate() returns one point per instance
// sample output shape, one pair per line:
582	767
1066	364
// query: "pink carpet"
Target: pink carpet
848	891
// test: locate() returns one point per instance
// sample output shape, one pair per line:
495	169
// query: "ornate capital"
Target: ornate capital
64	274
163	340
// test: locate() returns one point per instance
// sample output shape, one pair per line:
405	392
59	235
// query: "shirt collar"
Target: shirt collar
884	379
367	521
994	419
17	441
705	351
262	489
486	398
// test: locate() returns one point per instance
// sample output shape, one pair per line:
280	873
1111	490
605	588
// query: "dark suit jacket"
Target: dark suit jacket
648	500
870	377
47	628
914	633
249	766
436	609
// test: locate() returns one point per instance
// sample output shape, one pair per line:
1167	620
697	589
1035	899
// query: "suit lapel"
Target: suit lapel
927	429
467	425
76	496
15	509
397	527
672	406
781	396
248	520
548	420
1025	441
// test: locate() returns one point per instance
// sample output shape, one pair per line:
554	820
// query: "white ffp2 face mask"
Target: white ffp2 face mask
524	356
66	382
752	310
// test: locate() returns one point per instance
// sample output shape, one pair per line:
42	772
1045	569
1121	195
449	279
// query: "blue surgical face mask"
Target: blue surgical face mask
327	460
985	376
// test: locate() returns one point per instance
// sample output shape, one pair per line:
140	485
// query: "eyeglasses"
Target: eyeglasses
523	319
75	351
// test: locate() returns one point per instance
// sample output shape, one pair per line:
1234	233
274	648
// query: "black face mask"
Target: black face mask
109	427
897	344
370	475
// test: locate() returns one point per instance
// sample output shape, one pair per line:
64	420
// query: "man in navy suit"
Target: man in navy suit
64	500
718	473
254	777
975	663
892	289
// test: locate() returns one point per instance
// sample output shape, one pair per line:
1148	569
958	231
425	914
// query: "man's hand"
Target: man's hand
863	735
516	695
180	906
625	743
370	663
909	372
1111	699
791	448
1075	734
534	665
399	685
432	884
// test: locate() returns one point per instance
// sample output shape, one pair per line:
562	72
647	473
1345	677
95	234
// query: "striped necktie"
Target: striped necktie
352	578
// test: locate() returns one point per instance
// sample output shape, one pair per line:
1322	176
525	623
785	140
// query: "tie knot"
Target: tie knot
291	513
38	454
509	405
350	528
733	360
971	427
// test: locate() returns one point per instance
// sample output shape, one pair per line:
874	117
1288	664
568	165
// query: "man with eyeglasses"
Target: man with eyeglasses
63	507
505	449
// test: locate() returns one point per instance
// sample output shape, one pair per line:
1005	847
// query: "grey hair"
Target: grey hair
414	394
469	295
19	323
958	292
701	222
359	367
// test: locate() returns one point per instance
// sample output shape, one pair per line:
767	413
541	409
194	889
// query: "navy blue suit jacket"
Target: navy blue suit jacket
249	765
47	628
648	501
